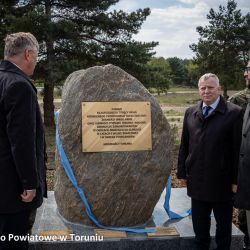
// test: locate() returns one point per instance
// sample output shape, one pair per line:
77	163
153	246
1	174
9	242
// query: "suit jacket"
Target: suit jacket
242	199
21	140
209	151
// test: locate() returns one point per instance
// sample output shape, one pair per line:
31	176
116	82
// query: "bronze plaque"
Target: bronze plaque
116	126
57	234
107	234
164	231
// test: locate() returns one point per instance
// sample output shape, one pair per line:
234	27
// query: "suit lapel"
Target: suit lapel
246	123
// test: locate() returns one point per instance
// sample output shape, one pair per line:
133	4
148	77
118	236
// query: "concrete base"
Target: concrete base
48	219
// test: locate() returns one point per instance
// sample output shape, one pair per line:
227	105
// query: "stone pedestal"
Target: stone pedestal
48	219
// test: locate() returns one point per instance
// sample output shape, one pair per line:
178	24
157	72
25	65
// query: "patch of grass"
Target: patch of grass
174	119
175	134
182	89
173	112
232	92
50	179
180	99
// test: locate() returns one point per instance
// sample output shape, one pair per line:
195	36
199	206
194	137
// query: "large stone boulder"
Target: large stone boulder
122	188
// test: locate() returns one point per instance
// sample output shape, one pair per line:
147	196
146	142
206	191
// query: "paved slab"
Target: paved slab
49	219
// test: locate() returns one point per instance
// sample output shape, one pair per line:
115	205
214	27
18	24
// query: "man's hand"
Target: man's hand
234	188
28	195
183	182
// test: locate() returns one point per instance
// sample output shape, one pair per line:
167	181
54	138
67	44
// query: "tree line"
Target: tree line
223	48
79	34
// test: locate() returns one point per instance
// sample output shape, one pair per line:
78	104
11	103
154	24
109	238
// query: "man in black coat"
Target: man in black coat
242	199
242	98
208	161
22	169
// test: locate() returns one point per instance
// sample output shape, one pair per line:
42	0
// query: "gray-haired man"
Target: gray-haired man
22	172
208	161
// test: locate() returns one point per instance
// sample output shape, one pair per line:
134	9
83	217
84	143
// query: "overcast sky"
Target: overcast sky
173	22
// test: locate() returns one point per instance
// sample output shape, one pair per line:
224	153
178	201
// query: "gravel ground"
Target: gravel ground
50	179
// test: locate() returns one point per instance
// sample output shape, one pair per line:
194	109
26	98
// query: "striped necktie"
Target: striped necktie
206	111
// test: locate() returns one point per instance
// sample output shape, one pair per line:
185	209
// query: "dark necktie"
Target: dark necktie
206	110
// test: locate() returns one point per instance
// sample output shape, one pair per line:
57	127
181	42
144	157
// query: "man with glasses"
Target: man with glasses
242	199
22	169
242	98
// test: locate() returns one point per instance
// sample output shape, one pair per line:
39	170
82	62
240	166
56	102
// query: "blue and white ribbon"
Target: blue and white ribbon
68	169
172	215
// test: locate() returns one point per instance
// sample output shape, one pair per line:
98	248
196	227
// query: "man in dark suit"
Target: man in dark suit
22	171
208	161
242	199
241	99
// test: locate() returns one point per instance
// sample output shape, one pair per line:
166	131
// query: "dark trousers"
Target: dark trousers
16	225
201	217
32	219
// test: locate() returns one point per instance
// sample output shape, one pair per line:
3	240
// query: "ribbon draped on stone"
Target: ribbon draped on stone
172	215
68	169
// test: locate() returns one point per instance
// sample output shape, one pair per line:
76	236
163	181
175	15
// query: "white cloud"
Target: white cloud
127	5
189	1
243	5
174	26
